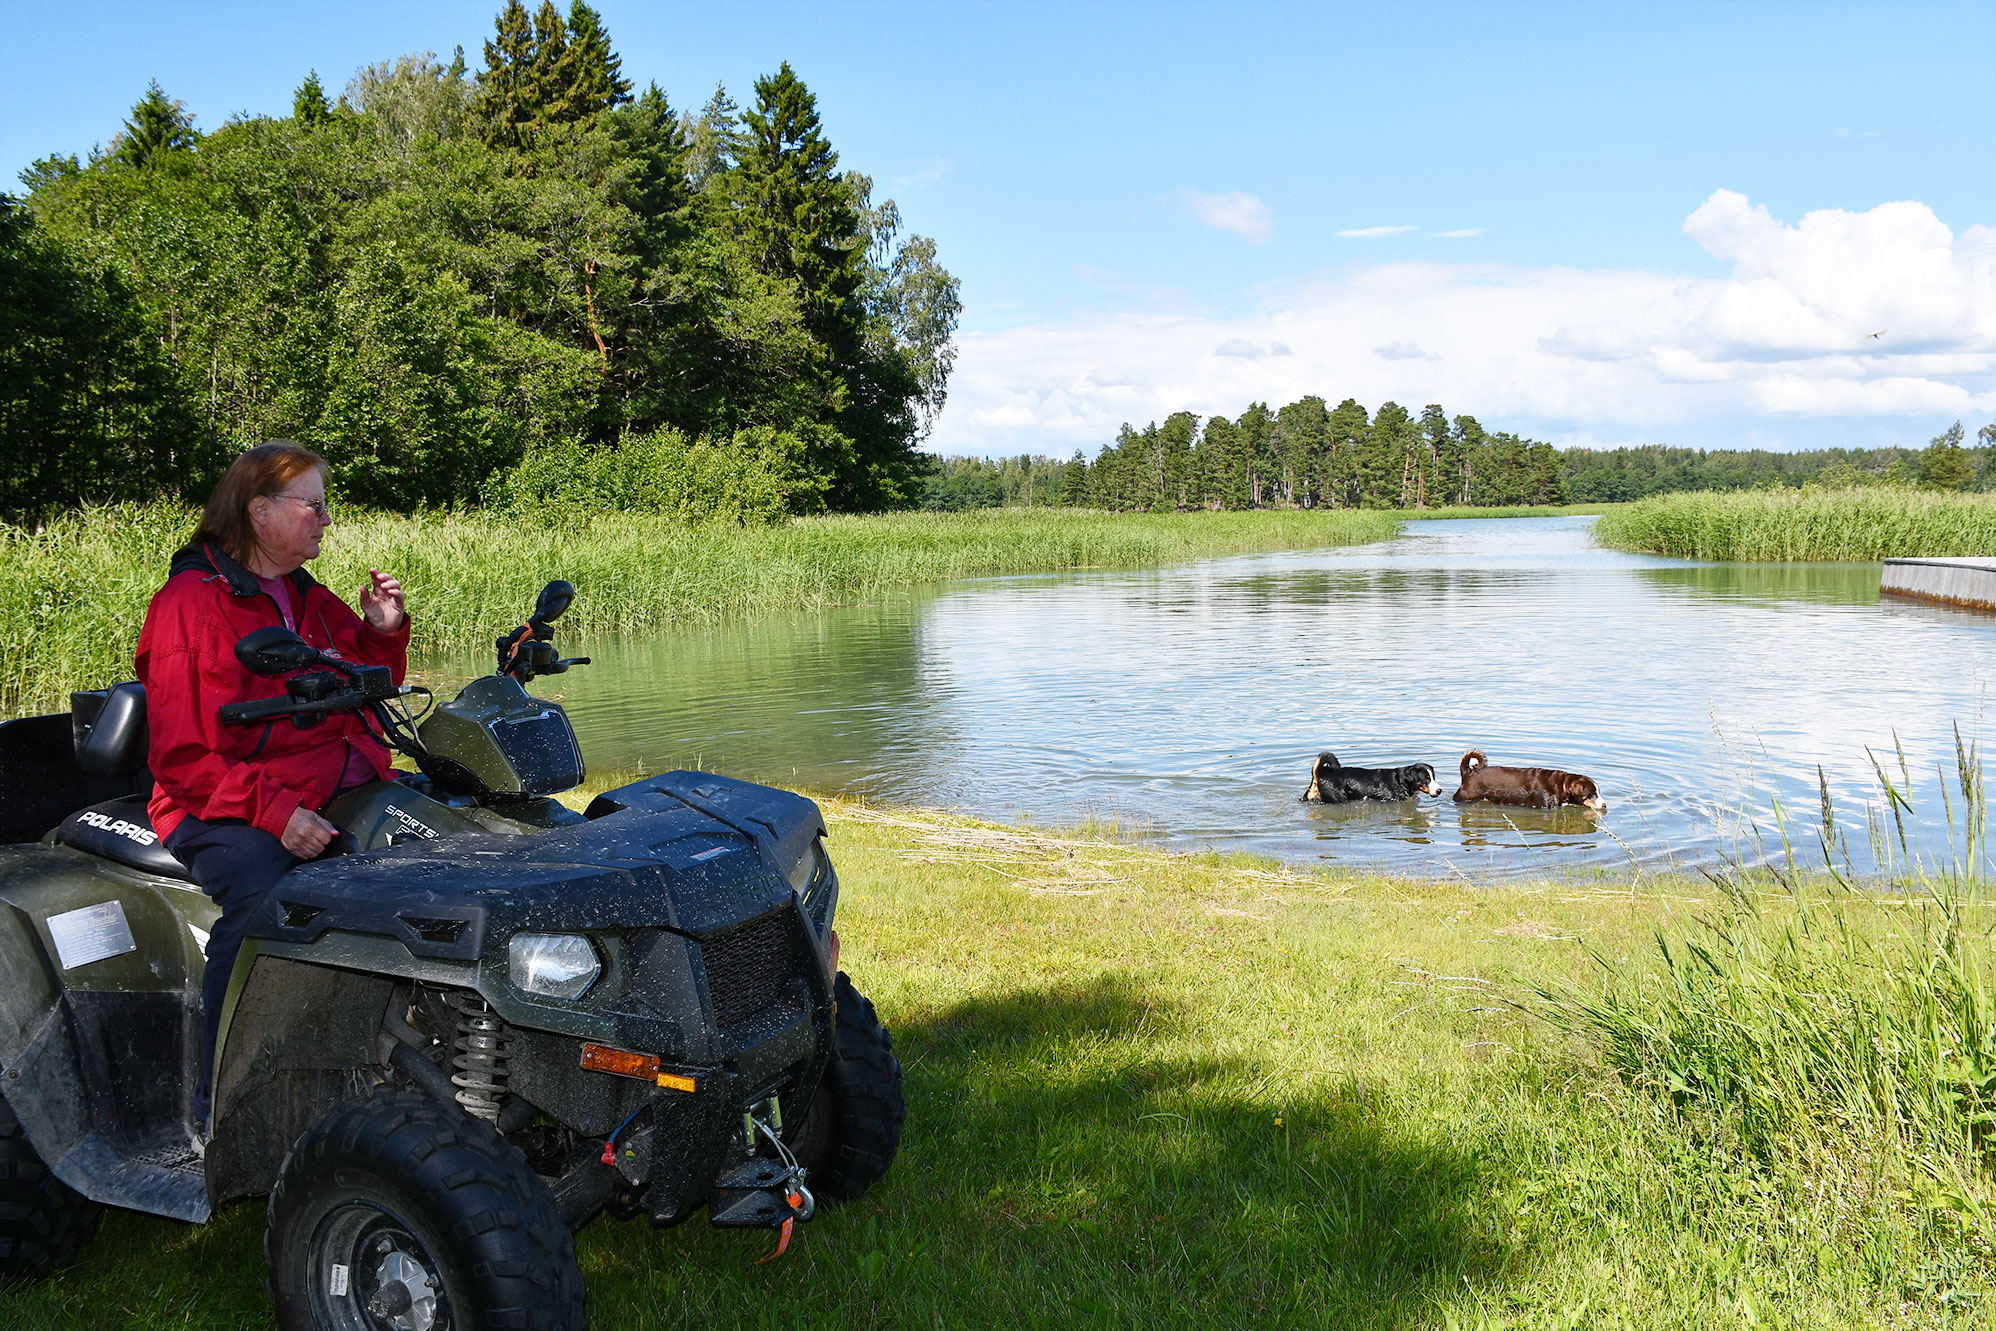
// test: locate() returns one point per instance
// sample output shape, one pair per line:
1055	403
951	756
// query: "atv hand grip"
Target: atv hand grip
268	709
263	709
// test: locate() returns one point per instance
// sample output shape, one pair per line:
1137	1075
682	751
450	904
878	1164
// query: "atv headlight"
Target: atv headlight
557	965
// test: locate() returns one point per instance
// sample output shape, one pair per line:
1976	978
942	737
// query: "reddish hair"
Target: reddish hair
268	469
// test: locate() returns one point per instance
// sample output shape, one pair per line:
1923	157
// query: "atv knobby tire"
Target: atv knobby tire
43	1222
854	1126
393	1198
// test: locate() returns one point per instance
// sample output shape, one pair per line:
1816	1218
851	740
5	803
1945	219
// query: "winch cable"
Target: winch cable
802	1204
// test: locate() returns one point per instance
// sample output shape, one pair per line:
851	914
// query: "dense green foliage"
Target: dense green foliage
1859	522
88	403
438	278
1622	474
77	589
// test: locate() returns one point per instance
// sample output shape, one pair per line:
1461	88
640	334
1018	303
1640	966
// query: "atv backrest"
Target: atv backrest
42	776
109	726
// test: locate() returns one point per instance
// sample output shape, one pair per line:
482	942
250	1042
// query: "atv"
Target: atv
449	1046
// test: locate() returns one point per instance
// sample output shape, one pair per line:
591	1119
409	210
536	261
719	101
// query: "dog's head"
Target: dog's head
1576	789
1422	778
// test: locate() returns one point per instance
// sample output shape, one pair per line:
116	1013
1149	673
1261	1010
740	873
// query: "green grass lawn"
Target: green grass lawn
1170	1090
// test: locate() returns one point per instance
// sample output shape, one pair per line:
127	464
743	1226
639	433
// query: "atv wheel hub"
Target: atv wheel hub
403	1295
376	1274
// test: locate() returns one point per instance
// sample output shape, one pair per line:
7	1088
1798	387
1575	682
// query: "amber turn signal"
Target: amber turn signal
624	1063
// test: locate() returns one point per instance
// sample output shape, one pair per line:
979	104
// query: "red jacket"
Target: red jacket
187	662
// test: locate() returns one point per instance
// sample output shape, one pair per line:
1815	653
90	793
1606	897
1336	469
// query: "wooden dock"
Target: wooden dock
1967	583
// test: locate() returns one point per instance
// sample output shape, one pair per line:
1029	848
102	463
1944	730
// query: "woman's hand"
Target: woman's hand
307	833
381	603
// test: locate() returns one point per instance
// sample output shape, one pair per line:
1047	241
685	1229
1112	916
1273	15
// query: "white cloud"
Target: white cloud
1243	214
1828	283
1463	234
1375	232
1779	349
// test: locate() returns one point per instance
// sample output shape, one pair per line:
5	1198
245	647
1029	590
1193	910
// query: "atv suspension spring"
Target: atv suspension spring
483	1051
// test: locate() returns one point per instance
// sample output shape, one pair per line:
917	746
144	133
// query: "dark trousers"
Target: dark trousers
236	865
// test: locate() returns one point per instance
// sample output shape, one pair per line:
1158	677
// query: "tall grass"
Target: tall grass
1860	523
1839	1044
73	594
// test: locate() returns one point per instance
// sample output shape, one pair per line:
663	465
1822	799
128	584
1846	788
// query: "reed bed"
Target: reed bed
73	594
1859	523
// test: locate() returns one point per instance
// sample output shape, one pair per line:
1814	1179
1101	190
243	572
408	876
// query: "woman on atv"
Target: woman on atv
239	805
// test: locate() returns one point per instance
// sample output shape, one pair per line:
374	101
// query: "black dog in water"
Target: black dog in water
1331	783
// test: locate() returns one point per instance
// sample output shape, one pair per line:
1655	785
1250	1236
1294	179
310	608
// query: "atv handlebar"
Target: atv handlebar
315	695
527	652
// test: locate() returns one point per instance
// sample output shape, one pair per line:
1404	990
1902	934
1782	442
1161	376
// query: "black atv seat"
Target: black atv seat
121	830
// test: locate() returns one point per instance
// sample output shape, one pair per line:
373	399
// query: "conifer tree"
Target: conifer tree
1074	481
1226	479
548	66
1944	464
792	206
1300	434
1384	465
651	138
159	125
309	106
588	75
544	70
1257	428
713	139
1466	442
507	95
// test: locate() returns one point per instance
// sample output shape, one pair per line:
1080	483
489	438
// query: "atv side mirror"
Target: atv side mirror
555	598
275	651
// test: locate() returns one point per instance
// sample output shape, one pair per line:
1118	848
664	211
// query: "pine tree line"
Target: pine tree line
1306	455
1299	458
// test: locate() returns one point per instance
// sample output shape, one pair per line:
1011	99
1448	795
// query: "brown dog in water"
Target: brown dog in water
1535	787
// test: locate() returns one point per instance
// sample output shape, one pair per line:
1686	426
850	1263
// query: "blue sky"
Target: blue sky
1593	224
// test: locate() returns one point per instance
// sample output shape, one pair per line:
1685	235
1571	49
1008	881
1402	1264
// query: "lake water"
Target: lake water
1189	701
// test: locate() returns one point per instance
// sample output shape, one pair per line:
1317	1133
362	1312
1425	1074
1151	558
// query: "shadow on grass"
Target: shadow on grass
1071	1158
1074	1155
145	1272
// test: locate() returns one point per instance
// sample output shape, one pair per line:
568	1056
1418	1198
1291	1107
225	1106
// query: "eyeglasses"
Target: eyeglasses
318	506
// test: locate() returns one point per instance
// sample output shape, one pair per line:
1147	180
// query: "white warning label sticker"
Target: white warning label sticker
90	934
